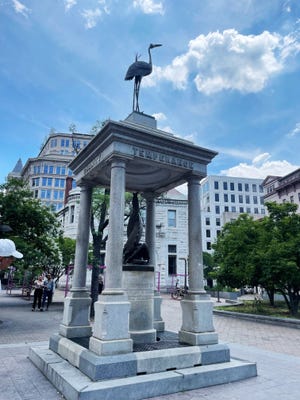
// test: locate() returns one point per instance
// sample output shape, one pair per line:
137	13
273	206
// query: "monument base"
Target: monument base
79	373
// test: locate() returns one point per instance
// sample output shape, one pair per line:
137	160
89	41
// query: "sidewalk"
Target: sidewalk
275	349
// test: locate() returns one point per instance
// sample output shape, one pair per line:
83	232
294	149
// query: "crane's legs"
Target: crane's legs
137	83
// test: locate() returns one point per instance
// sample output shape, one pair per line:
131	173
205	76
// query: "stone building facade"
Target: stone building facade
282	189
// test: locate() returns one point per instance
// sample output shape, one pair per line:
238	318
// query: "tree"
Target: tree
34	227
234	252
279	252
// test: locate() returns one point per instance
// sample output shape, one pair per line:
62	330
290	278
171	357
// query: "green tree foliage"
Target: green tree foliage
35	227
233	252
279	253
265	252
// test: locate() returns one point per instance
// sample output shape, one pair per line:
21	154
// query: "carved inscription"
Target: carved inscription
161	157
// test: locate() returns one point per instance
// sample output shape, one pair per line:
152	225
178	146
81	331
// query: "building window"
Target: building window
261	200
241	209
49	181
51	169
208	245
225	197
262	211
36	194
37	169
240	187
217	209
232	198
247	187
254	188
218	222
225	185
291	199
240	198
255	200
231	185
261	189
233	209
53	142
217	197
255	210
72	214
172	218
208	233
247	199
248	210
44	181
45	169
216	185
172	259
226	208
207	221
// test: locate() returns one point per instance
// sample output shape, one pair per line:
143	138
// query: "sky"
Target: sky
226	77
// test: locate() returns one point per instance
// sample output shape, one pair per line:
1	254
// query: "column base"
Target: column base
75	321
110	347
140	336
198	339
111	327
197	320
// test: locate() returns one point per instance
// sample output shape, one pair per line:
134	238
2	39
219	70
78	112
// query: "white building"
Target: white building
46	174
283	189
223	199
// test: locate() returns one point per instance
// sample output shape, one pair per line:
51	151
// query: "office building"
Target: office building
223	199
46	174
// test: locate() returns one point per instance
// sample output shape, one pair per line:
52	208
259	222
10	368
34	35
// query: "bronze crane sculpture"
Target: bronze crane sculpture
137	70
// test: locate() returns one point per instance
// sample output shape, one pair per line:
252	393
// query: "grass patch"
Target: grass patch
261	308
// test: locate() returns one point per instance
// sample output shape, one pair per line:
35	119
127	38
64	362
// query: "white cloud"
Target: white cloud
20	8
91	17
295	131
69	4
160	116
260	168
229	60
149	6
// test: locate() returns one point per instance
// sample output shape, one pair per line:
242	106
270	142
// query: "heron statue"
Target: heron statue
137	70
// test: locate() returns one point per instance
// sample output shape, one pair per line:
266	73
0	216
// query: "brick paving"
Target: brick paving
276	350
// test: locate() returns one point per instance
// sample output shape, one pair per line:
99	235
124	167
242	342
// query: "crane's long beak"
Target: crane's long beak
156	45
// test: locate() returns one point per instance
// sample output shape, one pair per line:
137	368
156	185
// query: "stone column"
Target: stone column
158	322
197	307
75	321
111	327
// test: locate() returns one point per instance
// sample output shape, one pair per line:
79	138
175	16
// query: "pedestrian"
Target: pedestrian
8	253
48	291
38	286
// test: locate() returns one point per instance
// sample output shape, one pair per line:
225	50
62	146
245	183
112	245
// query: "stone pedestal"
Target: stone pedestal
138	282
197	321
110	335
75	321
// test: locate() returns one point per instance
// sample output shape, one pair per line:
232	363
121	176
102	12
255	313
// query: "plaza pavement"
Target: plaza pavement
275	349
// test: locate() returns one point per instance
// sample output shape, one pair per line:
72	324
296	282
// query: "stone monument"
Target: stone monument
128	354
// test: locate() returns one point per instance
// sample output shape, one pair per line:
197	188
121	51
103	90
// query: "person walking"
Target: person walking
8	253
38	285
48	291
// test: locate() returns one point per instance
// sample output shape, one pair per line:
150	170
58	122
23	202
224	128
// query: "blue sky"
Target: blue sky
227	76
